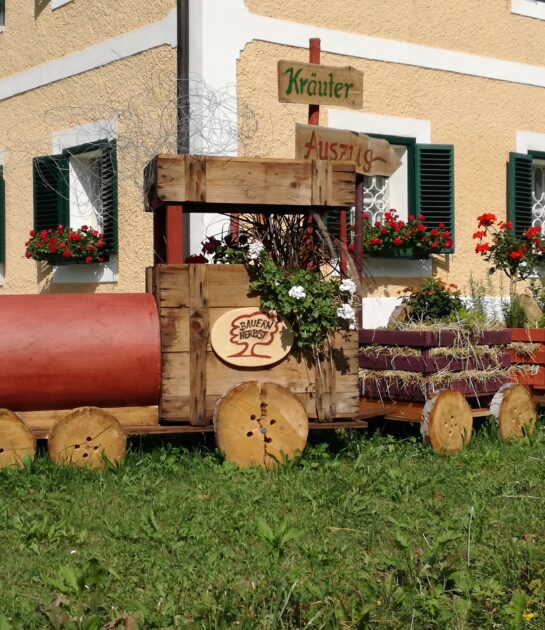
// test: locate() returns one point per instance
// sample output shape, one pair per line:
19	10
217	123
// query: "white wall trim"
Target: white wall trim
56	4
92	132
419	129
528	8
120	47
530	141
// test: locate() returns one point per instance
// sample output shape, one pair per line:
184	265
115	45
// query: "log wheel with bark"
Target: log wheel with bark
447	422
85	437
515	411
16	440
260	424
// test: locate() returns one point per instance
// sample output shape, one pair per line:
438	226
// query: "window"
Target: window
2	214
526	190
78	187
55	4
423	184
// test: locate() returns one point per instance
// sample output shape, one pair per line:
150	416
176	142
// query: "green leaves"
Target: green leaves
278	538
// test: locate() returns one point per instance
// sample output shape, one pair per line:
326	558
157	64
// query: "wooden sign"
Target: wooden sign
248	337
315	84
371	156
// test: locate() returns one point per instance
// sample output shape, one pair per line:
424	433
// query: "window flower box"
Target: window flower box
64	246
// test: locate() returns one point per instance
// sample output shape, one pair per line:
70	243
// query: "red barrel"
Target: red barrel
70	350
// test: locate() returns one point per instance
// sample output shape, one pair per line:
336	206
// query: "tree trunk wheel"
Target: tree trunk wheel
447	422
515	410
16	440
260	424
85	436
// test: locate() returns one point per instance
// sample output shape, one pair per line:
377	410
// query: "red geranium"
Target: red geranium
392	232
85	244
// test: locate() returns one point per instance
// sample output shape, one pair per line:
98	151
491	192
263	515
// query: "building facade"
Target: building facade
94	81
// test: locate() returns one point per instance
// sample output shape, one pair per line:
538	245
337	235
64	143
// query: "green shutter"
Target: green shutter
519	186
50	181
435	185
2	214
109	193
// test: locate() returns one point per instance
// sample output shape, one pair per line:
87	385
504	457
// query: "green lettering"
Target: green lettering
338	88
311	91
292	80
302	84
331	84
347	87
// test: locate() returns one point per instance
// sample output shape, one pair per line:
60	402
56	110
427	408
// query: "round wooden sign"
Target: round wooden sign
248	337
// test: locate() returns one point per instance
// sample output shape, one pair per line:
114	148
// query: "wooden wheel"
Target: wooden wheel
16	440
447	422
260	423
515	410
86	435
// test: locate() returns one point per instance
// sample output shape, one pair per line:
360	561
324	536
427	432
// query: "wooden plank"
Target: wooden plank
321	183
195	178
199	330
339	424
175	371
228	287
317	84
169	179
324	387
44	420
240	182
173	286
371	156
246	182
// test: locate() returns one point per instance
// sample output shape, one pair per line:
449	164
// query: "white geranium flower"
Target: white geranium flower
346	312
348	286
255	249
297	292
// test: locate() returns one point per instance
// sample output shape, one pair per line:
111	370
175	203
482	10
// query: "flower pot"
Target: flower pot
399	252
59	260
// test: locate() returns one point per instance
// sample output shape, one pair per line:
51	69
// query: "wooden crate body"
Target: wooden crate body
191	299
379	368
535	380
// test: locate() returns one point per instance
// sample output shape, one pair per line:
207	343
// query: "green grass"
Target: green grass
366	531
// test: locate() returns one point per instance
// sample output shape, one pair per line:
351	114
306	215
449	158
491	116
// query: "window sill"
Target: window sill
529	8
397	268
99	273
56	4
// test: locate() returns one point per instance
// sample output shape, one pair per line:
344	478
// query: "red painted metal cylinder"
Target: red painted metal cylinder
70	350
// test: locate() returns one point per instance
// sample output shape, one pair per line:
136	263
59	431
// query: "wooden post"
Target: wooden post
314	57
358	240
199	329
174	234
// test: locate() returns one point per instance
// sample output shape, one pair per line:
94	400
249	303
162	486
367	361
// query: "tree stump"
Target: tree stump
16	440
515	411
447	422
86	436
260	424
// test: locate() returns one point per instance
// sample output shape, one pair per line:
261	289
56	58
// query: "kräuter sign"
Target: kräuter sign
315	84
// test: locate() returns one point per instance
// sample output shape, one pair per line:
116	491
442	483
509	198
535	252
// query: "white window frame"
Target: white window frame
56	4
529	8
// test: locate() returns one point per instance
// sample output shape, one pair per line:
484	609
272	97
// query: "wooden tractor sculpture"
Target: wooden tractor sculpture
85	370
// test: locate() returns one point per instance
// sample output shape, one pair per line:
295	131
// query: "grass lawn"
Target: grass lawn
363	531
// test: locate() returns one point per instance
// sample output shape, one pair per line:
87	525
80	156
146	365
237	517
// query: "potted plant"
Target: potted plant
64	246
395	238
516	257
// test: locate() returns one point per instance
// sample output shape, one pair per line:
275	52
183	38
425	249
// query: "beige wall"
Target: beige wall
143	110
483	27
35	34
